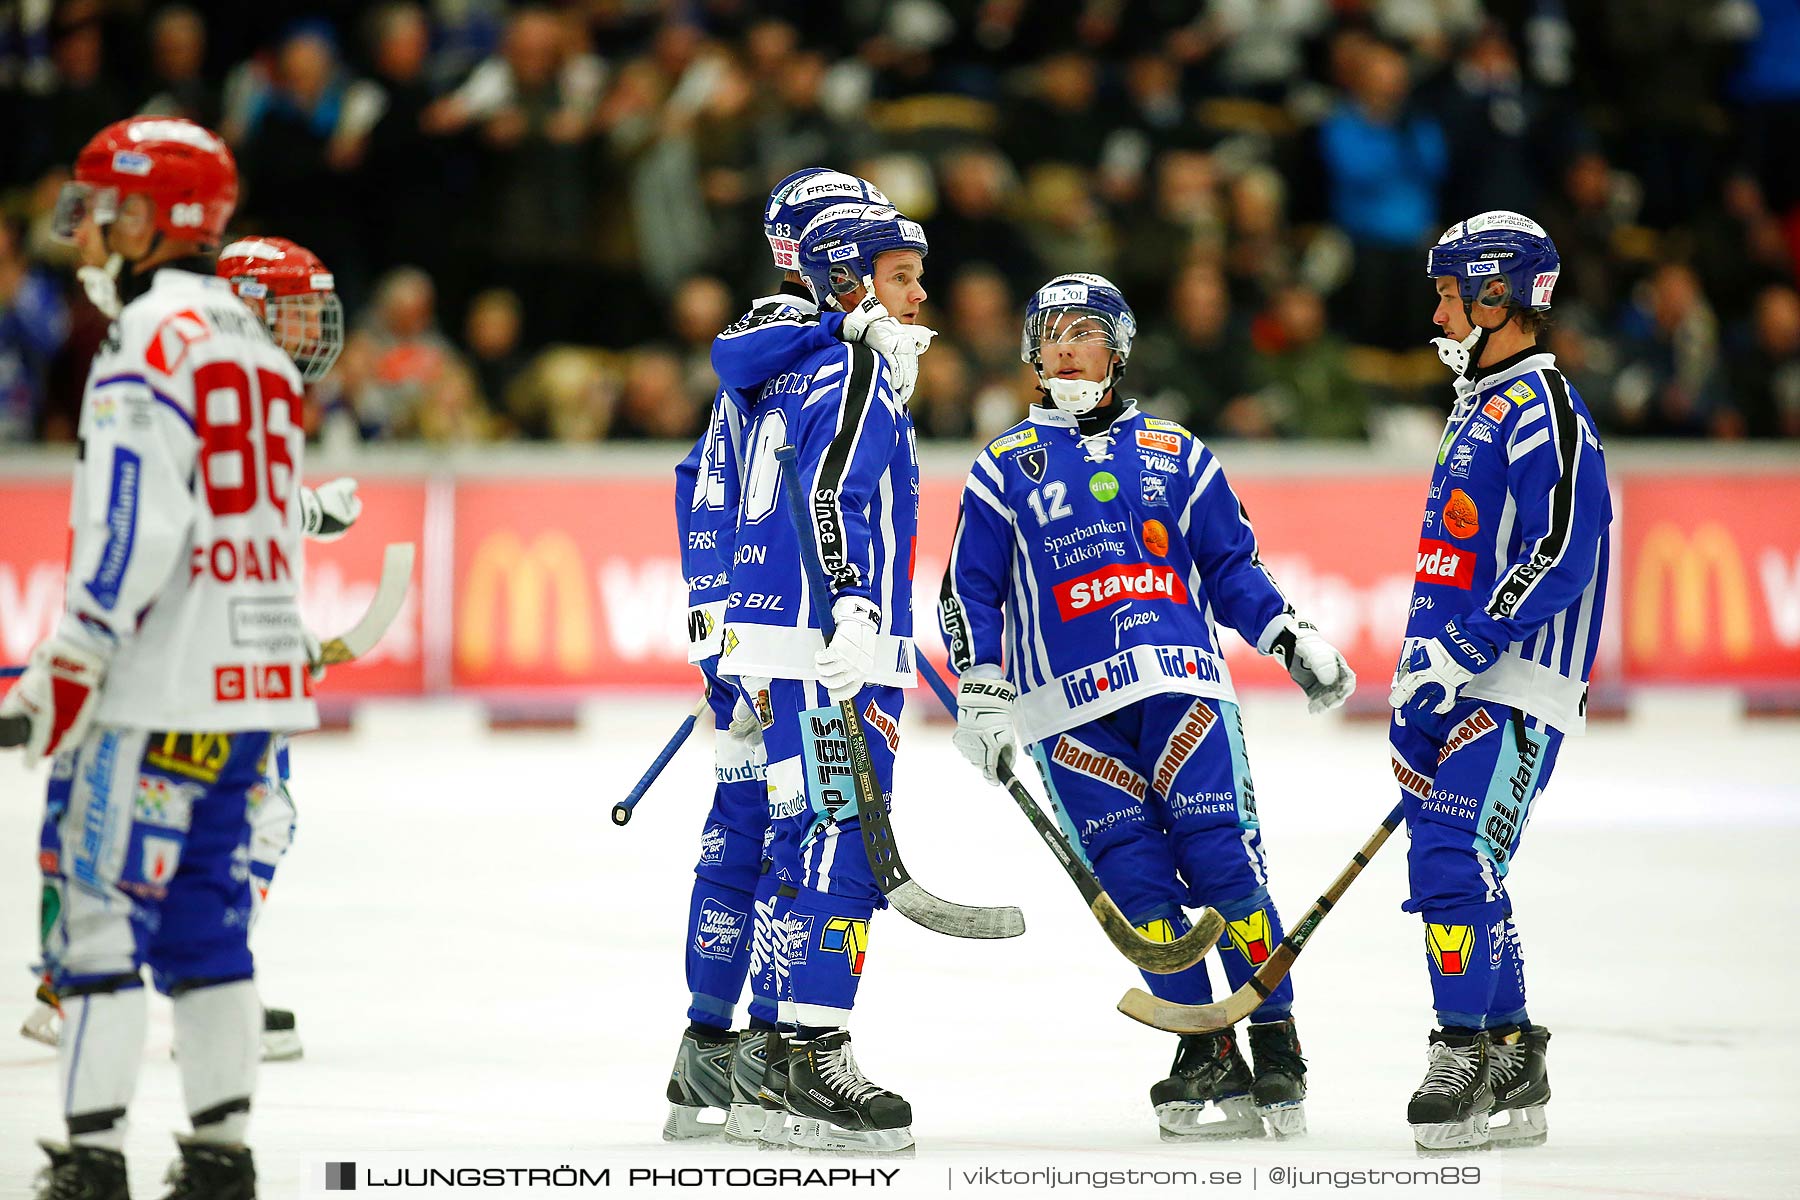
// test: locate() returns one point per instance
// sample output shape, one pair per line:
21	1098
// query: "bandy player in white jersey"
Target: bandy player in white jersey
290	289
178	658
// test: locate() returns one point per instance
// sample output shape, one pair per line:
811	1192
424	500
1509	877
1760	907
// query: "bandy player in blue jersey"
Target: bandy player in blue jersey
730	931
1096	547
846	417
1500	641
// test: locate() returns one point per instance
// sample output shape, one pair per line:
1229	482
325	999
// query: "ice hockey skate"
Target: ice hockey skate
210	1171
44	1022
82	1173
1450	1109
835	1107
280	1037
1521	1084
772	1094
1279	1078
1207	1094
749	1065
700	1080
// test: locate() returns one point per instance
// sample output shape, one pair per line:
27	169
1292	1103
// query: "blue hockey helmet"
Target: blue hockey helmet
1078	308
1497	245
799	198
839	246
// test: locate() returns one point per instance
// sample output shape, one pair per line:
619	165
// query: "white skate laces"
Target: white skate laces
838	1068
1449	1071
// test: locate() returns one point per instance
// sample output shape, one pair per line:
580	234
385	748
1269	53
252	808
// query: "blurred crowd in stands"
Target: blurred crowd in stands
538	217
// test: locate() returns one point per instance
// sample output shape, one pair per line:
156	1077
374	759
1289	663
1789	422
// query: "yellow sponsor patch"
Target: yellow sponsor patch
1012	441
1449	946
1159	930
1251	936
1171	426
199	756
1520	392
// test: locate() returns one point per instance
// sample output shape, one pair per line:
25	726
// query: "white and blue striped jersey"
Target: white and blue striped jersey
1514	544
859	479
1091	569
775	334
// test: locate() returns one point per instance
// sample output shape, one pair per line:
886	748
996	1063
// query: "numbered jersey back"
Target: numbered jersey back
186	514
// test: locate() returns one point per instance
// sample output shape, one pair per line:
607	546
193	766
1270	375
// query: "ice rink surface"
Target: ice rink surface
482	962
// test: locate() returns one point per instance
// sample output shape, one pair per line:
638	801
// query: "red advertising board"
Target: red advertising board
339	582
552	588
1709	583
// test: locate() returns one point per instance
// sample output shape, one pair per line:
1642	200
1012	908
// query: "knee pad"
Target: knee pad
729	857
1252	926
1447	872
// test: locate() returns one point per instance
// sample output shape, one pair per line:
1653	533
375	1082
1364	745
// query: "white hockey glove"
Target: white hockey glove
328	511
1311	661
984	724
745	725
900	344
1433	670
58	693
846	663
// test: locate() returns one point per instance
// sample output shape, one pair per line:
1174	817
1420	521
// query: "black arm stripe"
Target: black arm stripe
1559	410
827	501
955	616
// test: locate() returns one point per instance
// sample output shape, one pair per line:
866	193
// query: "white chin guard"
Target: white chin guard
1455	354
1075	396
101	286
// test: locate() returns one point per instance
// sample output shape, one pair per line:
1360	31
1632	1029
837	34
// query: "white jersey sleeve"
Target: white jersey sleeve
185	550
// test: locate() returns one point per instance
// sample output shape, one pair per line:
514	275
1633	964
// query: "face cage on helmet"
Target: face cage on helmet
76	202
310	328
1058	324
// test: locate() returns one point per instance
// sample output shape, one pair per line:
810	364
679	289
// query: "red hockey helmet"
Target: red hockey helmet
289	288
185	169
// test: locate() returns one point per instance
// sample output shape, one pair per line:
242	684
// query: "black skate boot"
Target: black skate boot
280	1038
1450	1109
210	1171
1208	1069
772	1094
836	1107
700	1079
748	1066
1521	1084
1279	1088
82	1173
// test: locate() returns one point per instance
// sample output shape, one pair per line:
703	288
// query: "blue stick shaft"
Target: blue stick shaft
936	681
12	672
622	810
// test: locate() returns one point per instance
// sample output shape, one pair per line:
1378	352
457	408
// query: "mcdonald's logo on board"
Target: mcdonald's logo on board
1686	586
525	601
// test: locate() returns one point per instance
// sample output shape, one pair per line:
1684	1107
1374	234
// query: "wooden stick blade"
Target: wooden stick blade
957	920
390	594
1167	1015
1159	958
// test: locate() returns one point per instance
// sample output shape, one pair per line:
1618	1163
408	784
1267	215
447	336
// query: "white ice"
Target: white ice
482	962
